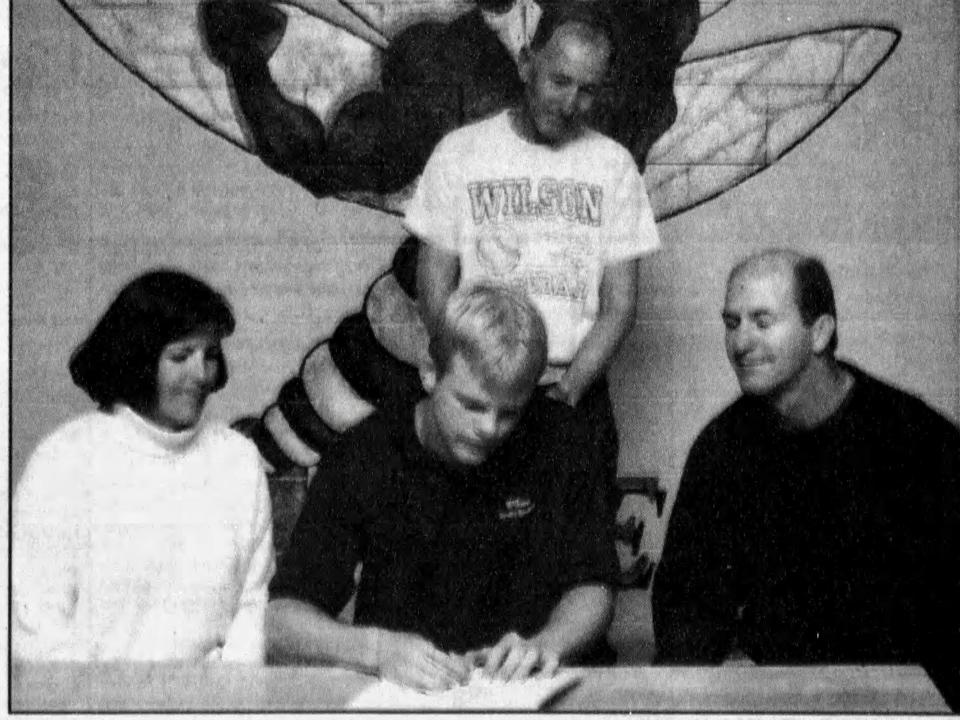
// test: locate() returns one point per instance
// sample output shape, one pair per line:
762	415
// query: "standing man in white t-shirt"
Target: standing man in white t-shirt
535	198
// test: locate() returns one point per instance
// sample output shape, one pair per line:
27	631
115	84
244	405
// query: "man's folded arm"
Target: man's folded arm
579	619
299	631
615	320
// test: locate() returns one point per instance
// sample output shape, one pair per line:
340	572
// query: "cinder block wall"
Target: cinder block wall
108	180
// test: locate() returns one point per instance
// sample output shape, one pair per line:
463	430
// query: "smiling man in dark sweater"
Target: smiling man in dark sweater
818	517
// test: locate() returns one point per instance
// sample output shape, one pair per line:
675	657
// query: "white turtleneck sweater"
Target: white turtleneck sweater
134	543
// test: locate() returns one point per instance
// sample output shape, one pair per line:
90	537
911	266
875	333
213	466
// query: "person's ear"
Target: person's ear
823	329
428	375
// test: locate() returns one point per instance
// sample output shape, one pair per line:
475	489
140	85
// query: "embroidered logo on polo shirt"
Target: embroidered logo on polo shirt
516	508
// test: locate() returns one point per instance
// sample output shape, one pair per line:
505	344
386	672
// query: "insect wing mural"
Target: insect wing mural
738	111
742	111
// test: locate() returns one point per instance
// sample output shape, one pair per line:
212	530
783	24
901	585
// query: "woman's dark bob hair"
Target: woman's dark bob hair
119	359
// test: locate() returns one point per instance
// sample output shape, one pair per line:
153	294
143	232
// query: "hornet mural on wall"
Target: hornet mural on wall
348	98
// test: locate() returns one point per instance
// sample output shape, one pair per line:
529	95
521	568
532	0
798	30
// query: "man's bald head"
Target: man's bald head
812	288
591	19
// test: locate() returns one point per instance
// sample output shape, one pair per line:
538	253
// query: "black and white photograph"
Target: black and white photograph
483	355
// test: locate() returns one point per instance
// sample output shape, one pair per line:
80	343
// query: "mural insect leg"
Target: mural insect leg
434	77
288	137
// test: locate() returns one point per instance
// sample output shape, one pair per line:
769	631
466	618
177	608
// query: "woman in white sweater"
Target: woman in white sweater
139	532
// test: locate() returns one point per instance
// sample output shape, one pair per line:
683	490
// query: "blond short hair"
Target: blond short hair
497	330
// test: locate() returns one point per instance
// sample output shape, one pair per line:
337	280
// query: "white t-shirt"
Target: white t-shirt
546	220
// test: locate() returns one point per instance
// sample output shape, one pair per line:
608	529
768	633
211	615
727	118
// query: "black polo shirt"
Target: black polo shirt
459	556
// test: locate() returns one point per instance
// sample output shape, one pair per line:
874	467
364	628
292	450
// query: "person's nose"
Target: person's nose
741	339
583	102
488	425
569	102
203	370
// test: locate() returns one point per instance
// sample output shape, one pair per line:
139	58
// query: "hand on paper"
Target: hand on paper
515	658
408	659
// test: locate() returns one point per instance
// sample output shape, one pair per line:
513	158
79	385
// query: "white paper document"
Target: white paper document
478	694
